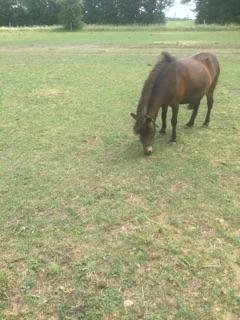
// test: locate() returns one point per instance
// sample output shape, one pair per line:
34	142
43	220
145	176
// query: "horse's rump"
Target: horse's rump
195	76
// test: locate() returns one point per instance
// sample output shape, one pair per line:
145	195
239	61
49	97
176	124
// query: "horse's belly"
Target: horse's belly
194	92
185	101
193	84
192	98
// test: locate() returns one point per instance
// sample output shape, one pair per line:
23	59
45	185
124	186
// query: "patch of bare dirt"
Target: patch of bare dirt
111	48
181	186
47	92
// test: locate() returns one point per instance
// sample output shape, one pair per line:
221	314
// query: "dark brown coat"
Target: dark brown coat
173	82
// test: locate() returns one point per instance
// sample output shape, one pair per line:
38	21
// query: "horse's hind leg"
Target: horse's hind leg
209	105
174	123
210	99
194	114
164	117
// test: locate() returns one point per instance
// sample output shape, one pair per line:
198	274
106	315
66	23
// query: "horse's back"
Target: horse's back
210	61
192	81
194	76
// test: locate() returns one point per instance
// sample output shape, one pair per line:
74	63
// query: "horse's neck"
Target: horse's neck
154	105
147	90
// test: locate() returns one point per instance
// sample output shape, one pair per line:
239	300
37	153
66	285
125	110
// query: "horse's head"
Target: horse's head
145	127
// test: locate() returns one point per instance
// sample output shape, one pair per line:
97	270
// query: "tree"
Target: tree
152	11
41	12
128	11
216	11
101	11
71	14
125	11
6	12
28	12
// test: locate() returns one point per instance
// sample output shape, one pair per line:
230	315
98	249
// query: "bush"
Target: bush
71	14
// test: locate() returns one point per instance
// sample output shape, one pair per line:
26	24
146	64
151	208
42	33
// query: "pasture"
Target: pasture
89	227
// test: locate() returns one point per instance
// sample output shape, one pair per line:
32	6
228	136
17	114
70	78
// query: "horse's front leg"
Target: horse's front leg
174	122
164	117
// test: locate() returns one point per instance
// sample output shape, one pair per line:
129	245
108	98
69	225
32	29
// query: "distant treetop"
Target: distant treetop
217	11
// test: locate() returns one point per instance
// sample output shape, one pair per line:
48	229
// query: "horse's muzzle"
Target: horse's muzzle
147	150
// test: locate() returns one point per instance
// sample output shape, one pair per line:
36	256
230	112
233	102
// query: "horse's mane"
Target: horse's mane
147	90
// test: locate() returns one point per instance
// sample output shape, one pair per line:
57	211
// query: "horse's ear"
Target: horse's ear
134	116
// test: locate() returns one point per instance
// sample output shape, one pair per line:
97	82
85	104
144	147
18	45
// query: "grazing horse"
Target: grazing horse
170	83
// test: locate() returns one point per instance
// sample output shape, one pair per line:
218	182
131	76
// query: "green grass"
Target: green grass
153	38
173	33
175	25
120	38
89	227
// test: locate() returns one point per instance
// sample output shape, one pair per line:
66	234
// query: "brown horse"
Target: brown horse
170	83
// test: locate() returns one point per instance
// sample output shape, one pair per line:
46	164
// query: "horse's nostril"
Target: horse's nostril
148	151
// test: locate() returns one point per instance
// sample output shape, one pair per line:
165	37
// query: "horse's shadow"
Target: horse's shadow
132	151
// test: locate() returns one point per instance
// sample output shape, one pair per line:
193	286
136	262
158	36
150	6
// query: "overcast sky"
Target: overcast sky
179	10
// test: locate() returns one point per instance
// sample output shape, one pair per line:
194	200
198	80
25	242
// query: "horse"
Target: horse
173	82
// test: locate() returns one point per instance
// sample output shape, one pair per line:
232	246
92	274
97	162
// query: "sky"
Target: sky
179	10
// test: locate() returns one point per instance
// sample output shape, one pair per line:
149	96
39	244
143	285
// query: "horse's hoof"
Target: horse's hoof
205	125
188	125
162	132
172	141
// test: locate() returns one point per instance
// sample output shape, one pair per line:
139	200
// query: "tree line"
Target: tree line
216	11
72	12
41	12
125	11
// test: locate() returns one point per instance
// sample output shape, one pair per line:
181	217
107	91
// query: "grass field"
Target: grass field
89	227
